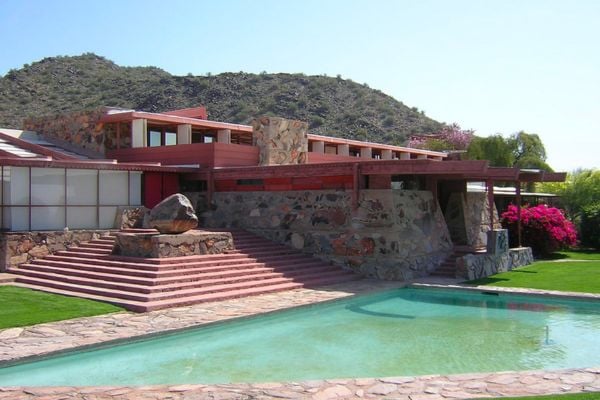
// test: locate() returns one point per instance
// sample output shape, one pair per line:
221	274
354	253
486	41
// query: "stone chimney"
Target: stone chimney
281	141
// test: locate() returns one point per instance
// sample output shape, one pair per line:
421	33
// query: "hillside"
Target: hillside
332	106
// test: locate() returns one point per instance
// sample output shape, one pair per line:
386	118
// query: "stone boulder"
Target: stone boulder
173	215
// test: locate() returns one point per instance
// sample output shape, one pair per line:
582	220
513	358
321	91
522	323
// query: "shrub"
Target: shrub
590	226
544	229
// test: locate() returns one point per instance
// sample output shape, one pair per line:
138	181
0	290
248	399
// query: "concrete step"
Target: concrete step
142	284
154	296
141	267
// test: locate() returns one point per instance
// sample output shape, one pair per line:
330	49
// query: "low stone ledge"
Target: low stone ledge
477	266
153	245
17	248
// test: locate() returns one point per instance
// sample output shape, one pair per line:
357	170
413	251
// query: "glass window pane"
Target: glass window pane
114	188
81	217
170	138
16	218
135	188
16	189
47	186
47	218
107	217
154	138
82	186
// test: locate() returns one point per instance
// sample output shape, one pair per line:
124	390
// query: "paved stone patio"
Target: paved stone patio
16	343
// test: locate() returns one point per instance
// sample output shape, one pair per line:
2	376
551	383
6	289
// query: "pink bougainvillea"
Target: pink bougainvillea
545	229
450	137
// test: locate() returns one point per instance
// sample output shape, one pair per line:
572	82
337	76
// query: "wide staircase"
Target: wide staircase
448	268
257	266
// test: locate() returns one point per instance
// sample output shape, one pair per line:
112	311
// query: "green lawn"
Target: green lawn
577	255
565	273
573	396
22	307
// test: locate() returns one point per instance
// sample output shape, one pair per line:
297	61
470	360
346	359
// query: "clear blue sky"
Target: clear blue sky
492	66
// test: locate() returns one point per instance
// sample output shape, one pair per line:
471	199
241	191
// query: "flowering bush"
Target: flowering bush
544	229
451	137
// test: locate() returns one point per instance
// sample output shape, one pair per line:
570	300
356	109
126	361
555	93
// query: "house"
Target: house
381	210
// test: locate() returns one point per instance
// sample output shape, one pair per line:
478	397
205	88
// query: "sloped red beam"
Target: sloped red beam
35	148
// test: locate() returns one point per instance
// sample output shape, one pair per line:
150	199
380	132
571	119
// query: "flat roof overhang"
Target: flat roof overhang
375	167
500	174
127	116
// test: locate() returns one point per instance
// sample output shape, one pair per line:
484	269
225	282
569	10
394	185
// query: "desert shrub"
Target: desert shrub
544	229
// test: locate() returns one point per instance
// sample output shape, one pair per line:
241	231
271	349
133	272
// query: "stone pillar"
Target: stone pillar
318	147
366	152
405	156
386	154
184	134
422	157
280	141
343	150
224	136
139	129
497	242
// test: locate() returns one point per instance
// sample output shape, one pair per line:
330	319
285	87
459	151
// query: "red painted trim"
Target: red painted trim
193	112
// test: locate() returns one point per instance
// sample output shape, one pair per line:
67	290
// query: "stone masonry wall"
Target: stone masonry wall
82	129
477	266
393	235
20	247
280	141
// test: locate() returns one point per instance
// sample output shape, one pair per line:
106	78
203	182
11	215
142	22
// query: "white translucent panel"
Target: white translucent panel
114	188
47	218
47	186
82	217
170	138
107	217
135	189
16	190
82	187
16	218
154	138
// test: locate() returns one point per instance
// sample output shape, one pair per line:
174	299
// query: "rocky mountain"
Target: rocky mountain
331	105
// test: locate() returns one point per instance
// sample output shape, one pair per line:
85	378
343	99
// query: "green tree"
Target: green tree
580	189
523	150
496	149
528	151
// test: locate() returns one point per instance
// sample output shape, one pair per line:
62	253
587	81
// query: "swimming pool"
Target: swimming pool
401	332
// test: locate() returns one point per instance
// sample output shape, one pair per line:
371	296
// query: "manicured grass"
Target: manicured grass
564	274
572	396
22	307
577	255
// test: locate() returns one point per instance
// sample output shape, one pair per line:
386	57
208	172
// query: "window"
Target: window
170	138
162	136
204	136
154	138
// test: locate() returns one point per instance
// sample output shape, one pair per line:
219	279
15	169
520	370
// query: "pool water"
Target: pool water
401	332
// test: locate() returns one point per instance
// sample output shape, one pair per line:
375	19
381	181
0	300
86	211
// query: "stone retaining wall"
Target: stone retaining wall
477	266
392	235
191	243
20	247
